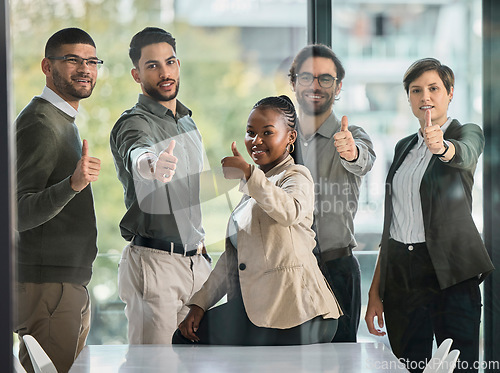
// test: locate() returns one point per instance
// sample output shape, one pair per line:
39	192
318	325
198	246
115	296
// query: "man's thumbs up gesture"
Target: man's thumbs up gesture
344	142
166	164
235	167
87	169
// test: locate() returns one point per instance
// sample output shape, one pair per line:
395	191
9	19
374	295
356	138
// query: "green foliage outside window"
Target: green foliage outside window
216	84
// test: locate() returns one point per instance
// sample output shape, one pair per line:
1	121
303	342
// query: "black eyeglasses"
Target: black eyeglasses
324	80
93	63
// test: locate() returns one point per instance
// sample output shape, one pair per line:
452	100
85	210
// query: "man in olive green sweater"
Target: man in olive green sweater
56	221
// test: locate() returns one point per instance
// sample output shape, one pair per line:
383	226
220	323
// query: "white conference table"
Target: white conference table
327	357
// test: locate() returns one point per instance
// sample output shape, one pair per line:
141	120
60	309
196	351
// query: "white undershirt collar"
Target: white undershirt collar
56	100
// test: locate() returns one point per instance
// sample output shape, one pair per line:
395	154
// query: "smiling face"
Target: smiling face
72	82
158	73
315	100
428	92
268	136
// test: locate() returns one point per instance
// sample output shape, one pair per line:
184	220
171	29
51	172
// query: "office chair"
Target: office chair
18	368
39	359
437	359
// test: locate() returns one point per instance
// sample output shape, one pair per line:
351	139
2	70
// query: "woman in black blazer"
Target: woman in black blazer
432	258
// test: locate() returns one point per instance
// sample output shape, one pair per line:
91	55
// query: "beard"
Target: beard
66	86
311	108
155	94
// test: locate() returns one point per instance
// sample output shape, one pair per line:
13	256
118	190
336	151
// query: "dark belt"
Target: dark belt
333	254
171	247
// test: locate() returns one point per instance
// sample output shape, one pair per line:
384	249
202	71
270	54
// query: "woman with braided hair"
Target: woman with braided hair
276	294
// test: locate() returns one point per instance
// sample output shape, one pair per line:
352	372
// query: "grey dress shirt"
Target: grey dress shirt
336	180
171	211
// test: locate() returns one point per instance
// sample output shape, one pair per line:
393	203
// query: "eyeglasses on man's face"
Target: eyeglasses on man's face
324	80
92	62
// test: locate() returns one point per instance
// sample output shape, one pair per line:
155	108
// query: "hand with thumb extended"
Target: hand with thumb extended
166	164
428	118
85	148
235	151
344	142
433	135
86	171
170	148
235	167
343	124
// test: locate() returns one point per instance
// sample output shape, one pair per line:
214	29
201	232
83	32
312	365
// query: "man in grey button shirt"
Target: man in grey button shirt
338	156
158	156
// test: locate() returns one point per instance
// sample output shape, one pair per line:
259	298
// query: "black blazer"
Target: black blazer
455	246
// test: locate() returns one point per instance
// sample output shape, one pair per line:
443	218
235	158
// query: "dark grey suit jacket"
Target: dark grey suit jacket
454	243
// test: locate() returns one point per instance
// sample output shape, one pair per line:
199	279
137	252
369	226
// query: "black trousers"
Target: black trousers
343	276
417	310
228	324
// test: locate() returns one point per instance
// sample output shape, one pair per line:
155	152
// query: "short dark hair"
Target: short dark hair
283	105
150	35
419	67
70	35
316	50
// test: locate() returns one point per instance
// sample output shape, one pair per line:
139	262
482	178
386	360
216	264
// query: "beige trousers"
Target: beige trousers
57	315
155	286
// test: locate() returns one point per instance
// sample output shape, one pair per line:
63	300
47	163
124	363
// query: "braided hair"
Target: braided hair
283	105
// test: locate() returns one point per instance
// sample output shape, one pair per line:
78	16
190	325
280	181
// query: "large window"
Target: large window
377	41
233	53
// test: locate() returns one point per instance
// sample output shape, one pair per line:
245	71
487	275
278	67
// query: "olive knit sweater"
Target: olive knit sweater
56	225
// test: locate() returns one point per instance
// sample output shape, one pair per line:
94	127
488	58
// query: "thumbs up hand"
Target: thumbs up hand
235	167
86	171
433	135
166	164
344	142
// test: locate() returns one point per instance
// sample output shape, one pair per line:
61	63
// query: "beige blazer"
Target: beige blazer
279	278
